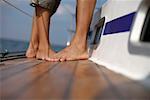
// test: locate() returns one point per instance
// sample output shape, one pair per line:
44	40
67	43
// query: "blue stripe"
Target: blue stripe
122	24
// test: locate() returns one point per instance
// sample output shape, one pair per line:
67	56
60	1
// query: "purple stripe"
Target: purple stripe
122	24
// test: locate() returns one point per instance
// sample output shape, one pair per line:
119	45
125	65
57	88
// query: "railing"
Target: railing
11	55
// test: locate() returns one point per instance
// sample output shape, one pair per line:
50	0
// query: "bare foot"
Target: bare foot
31	51
70	53
43	54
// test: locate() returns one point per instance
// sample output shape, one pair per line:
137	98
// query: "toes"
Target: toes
70	59
53	59
40	58
59	57
77	58
62	59
56	60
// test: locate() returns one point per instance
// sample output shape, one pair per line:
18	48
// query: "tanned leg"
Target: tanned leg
33	45
44	49
78	48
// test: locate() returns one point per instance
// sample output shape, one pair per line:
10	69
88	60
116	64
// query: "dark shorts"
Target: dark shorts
51	5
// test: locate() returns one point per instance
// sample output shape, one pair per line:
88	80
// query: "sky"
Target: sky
17	26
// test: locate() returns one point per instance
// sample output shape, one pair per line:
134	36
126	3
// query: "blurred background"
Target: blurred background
16	21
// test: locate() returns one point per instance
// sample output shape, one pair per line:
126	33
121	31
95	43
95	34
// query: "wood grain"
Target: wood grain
29	79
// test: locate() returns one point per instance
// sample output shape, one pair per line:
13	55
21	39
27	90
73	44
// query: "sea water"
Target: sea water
14	46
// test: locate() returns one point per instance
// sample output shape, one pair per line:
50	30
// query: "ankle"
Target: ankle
33	45
80	43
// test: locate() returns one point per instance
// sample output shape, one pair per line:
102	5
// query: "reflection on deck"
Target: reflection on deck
29	79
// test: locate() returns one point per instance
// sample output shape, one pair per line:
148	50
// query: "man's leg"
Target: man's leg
33	45
78	48
44	48
39	46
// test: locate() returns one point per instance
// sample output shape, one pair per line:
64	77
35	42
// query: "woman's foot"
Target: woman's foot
44	54
70	53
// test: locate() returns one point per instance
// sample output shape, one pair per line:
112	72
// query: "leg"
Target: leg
44	49
78	48
33	45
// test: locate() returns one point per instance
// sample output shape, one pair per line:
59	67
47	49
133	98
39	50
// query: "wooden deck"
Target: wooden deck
29	79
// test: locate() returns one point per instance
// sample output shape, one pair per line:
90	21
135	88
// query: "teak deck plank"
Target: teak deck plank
29	79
